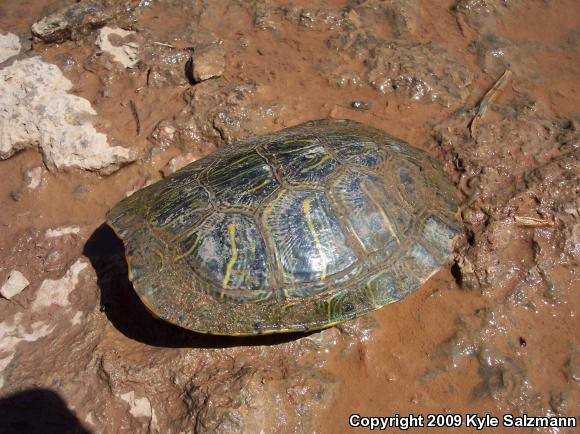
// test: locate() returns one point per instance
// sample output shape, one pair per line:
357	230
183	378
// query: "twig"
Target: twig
136	116
533	222
163	44
488	99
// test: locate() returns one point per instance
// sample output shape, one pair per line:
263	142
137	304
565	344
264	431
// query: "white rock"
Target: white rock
9	46
57	291
37	111
34	177
13	332
14	285
140	407
59	232
125	54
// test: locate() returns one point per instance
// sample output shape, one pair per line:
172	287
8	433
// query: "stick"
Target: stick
163	44
533	222
488	99
136	116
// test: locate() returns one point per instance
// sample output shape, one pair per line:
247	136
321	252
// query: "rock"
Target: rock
360	105
34	177
208	62
79	19
164	134
9	46
14	285
125	54
65	230
56	292
72	21
167	68
38	112
141	407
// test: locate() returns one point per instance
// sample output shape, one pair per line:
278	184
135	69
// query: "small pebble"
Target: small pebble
14	285
34	177
208	63
361	105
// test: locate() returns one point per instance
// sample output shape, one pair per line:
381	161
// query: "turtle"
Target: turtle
291	231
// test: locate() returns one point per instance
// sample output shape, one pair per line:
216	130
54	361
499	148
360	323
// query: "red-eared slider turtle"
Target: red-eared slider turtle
292	231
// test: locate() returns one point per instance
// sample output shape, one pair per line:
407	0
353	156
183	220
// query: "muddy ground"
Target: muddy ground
102	97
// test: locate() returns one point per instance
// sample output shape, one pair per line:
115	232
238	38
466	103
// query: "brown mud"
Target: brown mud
495	332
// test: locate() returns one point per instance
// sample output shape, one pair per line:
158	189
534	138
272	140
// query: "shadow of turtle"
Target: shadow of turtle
38	411
129	315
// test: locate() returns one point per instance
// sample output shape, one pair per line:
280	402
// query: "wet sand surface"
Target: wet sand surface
494	332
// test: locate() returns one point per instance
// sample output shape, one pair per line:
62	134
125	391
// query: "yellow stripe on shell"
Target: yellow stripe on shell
258	187
189	251
240	160
371	294
234	258
329	304
314	166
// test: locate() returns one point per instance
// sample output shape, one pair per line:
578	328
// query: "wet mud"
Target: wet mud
155	84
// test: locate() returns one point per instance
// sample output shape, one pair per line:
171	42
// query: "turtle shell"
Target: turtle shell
292	231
